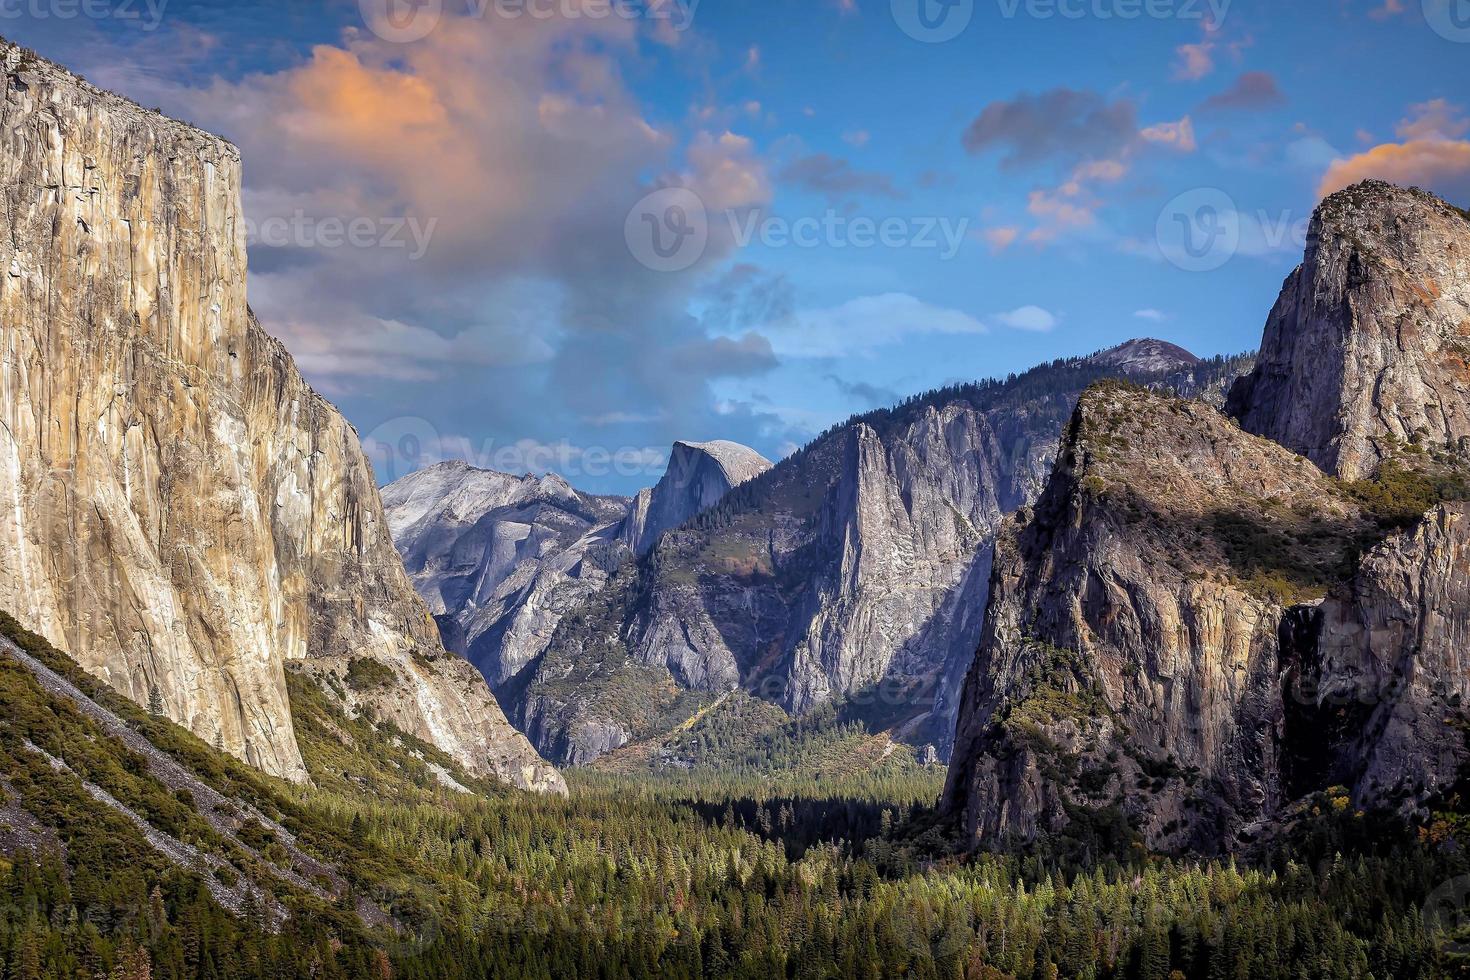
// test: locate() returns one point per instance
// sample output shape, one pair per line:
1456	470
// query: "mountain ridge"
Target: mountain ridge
794	563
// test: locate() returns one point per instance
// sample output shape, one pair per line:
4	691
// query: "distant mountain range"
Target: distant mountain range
856	570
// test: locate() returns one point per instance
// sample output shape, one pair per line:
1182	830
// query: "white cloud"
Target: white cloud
864	325
1032	319
1154	316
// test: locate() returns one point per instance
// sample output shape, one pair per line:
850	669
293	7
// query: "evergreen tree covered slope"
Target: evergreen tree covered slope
118	859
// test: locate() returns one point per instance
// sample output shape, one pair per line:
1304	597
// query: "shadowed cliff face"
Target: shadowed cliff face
1368	347
1129	661
1392	653
856	568
180	510
1197	626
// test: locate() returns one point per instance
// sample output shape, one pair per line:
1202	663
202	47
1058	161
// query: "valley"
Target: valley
1131	664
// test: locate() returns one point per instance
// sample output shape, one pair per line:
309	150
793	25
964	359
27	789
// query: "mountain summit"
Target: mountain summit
1147	356
1368	347
698	477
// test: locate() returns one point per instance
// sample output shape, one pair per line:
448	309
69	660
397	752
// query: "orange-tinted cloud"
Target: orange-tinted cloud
1432	153
1439	165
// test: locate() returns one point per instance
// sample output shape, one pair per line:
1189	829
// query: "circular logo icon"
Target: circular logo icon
933	21
401	21
668	230
1199	231
401	446
1447	913
1450	19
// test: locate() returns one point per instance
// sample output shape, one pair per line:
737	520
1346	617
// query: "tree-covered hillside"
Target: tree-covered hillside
121	862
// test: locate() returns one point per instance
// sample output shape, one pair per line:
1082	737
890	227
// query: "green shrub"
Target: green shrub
369	675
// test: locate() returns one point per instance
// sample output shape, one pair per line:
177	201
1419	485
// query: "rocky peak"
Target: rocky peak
1146	356
1368	348
698	477
1129	658
500	558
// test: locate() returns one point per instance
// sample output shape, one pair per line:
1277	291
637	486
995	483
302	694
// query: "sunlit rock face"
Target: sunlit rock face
178	509
1197	626
1368	347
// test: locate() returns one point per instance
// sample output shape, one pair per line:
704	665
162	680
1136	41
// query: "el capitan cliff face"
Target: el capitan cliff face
181	511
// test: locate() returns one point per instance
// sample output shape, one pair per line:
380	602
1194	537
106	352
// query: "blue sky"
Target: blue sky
865	213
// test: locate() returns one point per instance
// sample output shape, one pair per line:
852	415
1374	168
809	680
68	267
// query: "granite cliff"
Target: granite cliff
181	511
698	477
500	559
1130	658
858	568
1368	347
1197	627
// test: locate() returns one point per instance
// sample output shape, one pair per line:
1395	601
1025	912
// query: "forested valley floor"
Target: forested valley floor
122	862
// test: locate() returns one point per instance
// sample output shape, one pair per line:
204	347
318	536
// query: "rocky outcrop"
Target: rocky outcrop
1130	659
698	477
857	568
180	510
500	559
1198	626
1368	348
1378	675
1147	356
